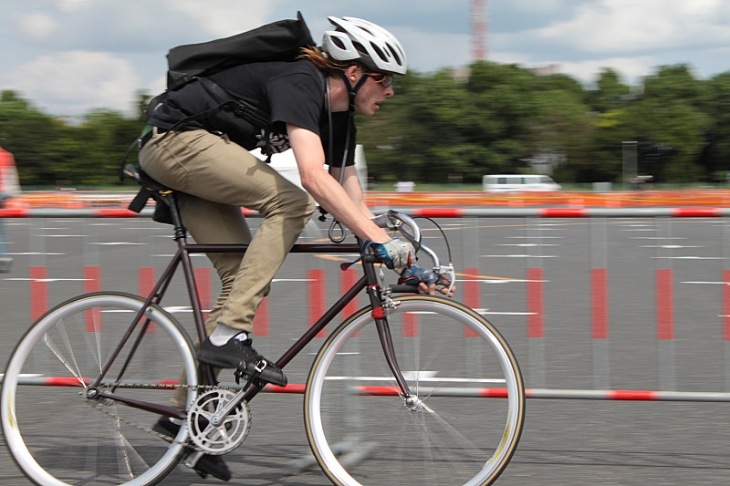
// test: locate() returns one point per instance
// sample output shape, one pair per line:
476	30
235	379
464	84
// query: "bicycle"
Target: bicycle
410	389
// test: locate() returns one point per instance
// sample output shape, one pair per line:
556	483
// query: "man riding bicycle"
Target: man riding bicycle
311	102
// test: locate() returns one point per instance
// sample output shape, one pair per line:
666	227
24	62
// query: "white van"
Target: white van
518	182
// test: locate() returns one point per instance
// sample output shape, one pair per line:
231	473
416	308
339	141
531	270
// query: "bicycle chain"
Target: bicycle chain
99	405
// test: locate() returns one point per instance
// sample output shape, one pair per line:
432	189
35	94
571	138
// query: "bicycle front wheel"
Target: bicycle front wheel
469	399
56	430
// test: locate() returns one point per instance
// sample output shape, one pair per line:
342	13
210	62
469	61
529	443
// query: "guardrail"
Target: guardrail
527	212
573	338
717	197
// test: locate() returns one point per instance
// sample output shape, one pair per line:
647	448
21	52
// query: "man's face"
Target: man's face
376	89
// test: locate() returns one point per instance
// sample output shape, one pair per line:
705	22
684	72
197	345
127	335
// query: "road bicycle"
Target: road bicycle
410	389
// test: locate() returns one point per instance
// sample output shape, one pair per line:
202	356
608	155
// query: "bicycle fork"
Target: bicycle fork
386	341
375	293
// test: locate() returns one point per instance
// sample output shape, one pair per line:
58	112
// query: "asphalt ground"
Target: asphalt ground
565	441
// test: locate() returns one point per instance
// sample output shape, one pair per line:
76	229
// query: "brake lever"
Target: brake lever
414	235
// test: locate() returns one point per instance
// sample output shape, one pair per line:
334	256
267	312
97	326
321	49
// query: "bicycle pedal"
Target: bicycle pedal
192	458
191	461
205	466
260	374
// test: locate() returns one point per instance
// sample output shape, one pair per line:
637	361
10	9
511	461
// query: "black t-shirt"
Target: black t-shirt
288	92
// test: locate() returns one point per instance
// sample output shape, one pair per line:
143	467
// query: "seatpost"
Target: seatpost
180	232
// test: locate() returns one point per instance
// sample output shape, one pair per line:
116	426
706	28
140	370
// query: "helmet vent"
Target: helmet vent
395	55
371	45
380	53
338	42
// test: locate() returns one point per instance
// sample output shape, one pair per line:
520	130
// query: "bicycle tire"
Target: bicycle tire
58	436
359	428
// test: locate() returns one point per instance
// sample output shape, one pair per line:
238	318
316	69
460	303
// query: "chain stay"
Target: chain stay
99	405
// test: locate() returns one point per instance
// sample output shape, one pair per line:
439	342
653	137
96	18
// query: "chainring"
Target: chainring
211	436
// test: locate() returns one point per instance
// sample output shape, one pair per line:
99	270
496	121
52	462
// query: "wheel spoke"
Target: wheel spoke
129	459
51	431
437	436
69	362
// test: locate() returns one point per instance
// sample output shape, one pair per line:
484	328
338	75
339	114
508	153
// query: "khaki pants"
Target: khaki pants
218	177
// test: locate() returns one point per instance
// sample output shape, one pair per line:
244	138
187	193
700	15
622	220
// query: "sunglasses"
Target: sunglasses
386	80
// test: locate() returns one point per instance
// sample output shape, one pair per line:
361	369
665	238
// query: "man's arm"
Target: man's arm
353	188
346	203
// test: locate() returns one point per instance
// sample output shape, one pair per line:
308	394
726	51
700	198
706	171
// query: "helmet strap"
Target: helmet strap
352	90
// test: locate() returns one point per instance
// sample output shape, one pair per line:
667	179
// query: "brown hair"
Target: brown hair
321	61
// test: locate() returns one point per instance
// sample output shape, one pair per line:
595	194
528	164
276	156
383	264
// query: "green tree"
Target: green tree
106	137
31	136
671	120
716	157
453	124
674	133
50	152
562	131
611	94
676	84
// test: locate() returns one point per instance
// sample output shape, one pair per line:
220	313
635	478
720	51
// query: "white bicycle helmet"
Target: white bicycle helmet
359	40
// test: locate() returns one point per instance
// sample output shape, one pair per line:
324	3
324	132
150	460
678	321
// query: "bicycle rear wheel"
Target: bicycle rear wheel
56	432
470	399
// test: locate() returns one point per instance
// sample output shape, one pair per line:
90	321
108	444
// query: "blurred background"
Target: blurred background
584	91
623	104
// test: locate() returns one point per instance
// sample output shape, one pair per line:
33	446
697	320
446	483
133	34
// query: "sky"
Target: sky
71	56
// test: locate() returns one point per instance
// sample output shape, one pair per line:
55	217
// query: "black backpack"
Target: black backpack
278	41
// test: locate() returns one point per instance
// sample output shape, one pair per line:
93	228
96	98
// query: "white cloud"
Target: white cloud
72	82
631	37
542	6
630	69
628	25
68	56
36	26
520	58
428	52
223	17
71	5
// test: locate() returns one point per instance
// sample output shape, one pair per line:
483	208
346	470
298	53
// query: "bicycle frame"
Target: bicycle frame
185	249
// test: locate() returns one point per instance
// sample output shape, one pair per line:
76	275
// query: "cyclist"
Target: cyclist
9	187
310	103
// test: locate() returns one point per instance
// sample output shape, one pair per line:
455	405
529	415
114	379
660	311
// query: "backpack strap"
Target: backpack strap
247	111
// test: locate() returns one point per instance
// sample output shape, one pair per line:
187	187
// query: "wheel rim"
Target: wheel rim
27	411
322	434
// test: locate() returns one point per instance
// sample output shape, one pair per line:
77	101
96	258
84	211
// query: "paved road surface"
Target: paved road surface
565	442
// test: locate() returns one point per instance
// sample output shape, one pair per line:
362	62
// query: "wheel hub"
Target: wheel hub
413	403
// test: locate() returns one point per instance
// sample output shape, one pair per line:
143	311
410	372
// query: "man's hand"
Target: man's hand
428	282
397	254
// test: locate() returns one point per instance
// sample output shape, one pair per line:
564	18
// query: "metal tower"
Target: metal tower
478	30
